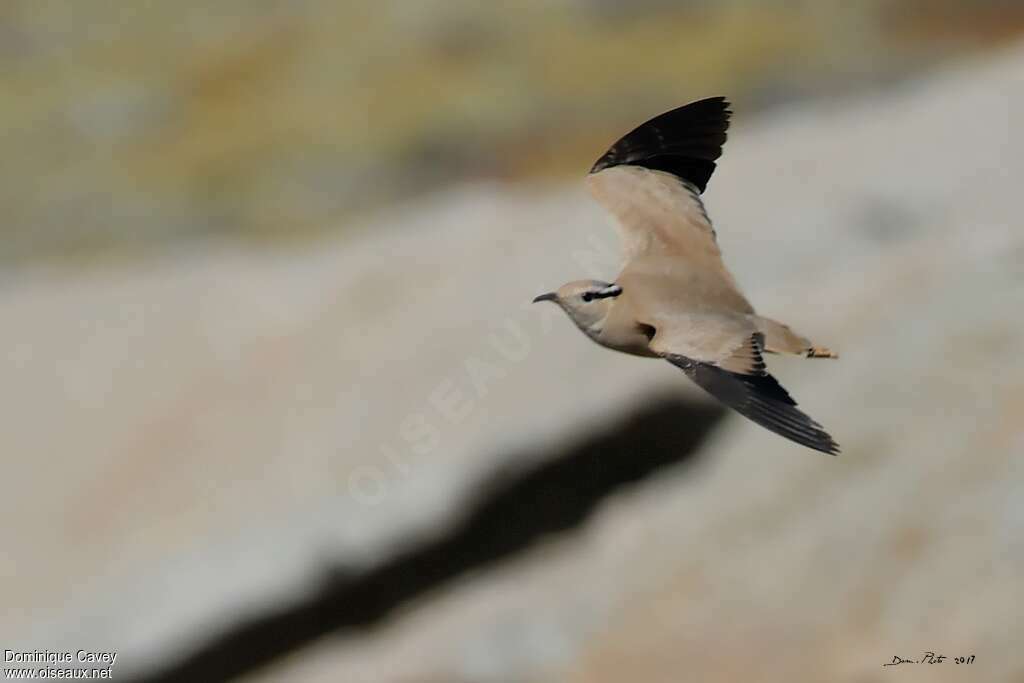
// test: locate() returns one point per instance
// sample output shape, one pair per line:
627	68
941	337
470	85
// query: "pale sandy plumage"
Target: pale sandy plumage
674	297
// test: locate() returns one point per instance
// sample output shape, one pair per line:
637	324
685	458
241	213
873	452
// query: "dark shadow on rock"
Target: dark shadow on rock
510	511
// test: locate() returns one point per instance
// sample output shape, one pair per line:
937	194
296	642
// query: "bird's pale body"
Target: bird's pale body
674	297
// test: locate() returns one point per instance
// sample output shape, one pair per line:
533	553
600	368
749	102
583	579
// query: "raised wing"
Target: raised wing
651	181
684	142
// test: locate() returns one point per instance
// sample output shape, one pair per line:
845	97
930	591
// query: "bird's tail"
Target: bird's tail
779	338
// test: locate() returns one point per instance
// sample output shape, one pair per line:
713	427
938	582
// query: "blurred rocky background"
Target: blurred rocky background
155	123
264	273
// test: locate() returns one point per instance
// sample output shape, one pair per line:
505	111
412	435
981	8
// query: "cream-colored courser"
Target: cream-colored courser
674	298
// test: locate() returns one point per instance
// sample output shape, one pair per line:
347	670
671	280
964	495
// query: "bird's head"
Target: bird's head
587	302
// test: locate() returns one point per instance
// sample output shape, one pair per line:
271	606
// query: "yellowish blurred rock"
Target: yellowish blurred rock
134	126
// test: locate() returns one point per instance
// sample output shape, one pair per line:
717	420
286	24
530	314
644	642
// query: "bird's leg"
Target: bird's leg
821	352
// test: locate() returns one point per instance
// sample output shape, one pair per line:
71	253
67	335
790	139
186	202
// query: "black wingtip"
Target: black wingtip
685	142
762	399
770	405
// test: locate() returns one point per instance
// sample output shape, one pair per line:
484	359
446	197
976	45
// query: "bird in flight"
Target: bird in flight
674	298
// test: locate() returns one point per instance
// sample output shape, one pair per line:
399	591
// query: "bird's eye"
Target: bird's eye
587	296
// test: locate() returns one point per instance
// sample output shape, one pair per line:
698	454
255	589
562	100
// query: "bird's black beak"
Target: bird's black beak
550	296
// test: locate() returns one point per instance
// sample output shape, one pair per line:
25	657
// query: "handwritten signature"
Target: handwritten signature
930	658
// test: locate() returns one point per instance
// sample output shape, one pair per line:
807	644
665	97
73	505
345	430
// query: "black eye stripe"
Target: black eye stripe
611	290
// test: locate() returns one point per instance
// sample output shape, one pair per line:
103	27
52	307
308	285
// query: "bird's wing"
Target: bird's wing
740	380
651	180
